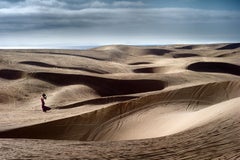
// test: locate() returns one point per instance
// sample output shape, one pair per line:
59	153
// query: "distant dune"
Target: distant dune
121	102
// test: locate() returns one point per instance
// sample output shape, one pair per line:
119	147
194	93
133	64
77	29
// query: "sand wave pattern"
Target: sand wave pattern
41	64
129	120
164	104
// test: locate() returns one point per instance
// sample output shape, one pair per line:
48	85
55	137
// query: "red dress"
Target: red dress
44	108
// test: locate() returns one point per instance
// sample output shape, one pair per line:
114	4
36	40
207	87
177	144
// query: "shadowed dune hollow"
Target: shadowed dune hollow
163	70
185	55
157	52
139	63
11	74
104	86
218	67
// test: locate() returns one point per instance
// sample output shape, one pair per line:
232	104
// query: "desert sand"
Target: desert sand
121	102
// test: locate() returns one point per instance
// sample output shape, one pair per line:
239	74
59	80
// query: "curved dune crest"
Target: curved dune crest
122	120
98	101
41	64
63	53
160	121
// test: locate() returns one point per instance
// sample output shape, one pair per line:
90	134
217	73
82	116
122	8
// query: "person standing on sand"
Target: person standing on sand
44	108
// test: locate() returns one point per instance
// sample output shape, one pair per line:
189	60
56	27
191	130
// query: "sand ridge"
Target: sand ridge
158	102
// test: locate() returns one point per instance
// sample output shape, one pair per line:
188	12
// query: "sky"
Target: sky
60	23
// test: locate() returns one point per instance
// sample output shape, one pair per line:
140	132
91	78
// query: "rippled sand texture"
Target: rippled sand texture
122	102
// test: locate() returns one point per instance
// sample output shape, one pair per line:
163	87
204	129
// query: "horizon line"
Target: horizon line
83	47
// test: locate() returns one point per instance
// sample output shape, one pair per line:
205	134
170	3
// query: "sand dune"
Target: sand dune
175	103
123	102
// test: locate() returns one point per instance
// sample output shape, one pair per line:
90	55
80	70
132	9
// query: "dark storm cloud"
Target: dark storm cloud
69	4
115	18
34	17
32	14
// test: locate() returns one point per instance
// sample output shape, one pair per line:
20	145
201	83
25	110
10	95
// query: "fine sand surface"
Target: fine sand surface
121	102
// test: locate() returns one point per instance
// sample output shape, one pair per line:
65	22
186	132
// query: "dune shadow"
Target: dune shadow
185	55
103	100
41	64
103	86
69	54
144	70
186	47
161	69
11	74
156	52
228	54
139	63
218	67
230	46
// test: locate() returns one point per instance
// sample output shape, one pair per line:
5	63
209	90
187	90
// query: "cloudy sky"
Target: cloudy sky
59	23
